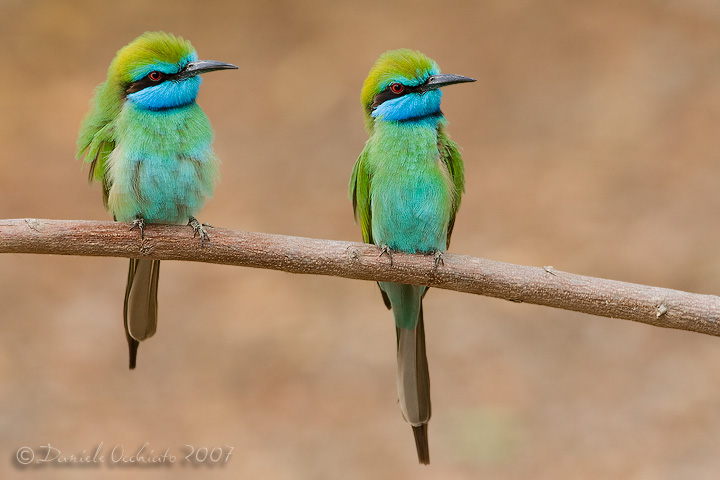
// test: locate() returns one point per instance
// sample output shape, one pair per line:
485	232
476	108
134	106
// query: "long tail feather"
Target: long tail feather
413	382
421	443
140	309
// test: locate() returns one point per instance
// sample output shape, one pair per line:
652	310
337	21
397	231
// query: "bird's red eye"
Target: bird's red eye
397	88
155	76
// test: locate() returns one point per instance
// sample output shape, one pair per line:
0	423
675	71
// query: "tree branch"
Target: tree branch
538	285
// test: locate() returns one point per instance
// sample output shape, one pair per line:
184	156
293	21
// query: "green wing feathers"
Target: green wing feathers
97	153
96	141
450	155
96	137
360	195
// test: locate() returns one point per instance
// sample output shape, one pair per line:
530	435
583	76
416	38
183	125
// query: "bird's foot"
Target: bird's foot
139	223
438	259
199	229
385	250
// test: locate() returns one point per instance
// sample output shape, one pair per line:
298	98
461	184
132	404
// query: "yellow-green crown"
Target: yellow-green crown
146	52
403	65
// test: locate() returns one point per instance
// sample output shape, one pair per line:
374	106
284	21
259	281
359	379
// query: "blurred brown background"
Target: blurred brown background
591	142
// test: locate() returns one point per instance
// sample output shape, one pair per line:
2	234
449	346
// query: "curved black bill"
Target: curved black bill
203	66
443	80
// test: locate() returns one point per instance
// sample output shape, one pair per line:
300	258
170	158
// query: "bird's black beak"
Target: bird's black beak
203	66
442	80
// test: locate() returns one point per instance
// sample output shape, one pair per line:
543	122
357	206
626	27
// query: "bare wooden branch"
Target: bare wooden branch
538	285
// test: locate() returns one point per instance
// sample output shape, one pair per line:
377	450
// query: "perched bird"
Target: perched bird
150	145
405	189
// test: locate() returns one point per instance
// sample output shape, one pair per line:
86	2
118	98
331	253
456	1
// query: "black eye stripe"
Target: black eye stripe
388	94
146	82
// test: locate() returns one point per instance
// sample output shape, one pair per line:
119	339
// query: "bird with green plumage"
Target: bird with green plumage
405	189
150	145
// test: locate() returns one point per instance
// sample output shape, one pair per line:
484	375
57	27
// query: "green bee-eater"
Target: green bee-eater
406	188
150	145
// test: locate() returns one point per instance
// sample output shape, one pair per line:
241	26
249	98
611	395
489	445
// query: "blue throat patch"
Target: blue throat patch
168	94
413	106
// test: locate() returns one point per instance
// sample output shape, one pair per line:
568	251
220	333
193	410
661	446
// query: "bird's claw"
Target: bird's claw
438	259
199	229
139	223
385	250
